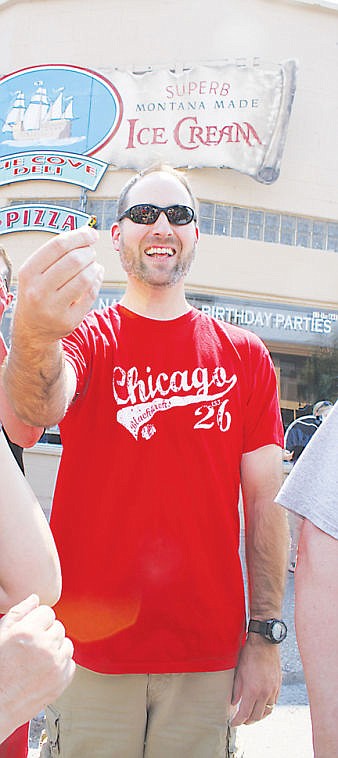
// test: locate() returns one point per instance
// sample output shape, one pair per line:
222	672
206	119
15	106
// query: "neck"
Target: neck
155	302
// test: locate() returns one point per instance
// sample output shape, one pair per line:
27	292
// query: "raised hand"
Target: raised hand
58	284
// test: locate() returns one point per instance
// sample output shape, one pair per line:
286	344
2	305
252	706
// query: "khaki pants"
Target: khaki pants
142	716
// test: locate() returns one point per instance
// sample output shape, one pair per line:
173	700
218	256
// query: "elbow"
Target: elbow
34	436
30	436
50	585
47	585
55	591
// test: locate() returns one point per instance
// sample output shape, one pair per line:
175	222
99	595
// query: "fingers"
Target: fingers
254	703
68	647
64	668
236	690
55	248
58	284
67	673
42	618
259	711
268	709
56	633
59	260
19	611
70	265
56	638
38	656
249	712
83	284
61	267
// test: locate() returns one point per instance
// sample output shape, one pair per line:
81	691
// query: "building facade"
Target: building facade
268	252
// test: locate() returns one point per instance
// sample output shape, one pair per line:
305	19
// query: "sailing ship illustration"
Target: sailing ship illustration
42	120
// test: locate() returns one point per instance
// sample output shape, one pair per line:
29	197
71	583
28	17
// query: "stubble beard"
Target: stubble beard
138	268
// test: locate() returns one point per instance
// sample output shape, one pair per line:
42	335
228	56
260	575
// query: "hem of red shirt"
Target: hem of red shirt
159	667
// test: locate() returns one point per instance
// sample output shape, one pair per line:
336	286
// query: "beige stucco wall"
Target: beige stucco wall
129	34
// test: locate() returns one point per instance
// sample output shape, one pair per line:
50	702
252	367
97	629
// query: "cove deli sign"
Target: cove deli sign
53	119
66	167
40	218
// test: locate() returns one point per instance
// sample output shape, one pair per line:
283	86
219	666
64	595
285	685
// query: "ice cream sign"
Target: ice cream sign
54	119
234	115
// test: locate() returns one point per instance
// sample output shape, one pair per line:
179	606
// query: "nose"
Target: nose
162	225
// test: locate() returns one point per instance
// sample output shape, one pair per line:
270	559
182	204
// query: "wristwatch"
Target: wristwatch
273	630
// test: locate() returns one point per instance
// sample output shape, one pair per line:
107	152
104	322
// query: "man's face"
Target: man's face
159	254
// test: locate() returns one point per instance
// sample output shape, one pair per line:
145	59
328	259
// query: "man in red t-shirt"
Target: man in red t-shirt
164	413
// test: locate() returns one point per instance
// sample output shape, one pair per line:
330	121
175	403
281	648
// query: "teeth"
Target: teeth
160	251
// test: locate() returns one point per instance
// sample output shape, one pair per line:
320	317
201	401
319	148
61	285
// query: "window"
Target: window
229	221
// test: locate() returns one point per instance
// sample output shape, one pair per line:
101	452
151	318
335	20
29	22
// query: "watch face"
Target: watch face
278	630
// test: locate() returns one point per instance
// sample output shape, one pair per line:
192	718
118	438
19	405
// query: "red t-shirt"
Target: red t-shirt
145	512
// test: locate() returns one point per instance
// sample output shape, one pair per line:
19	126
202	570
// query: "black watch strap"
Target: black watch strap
274	630
257	626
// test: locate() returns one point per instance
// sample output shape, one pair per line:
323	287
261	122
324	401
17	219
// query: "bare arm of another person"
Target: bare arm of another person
35	663
316	615
18	432
258	674
28	558
56	287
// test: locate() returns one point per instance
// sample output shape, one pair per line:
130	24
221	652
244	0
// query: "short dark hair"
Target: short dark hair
154	169
8	263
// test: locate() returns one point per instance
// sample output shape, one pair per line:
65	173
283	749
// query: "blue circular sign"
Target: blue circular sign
58	107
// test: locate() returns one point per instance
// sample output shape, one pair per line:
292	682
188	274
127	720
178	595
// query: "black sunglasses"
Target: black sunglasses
179	215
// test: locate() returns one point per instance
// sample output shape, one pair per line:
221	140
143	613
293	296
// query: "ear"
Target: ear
197	232
115	235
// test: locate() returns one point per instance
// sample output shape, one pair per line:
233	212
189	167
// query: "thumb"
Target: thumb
19	611
236	691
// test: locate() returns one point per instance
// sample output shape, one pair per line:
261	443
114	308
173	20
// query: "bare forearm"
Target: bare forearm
28	556
266	556
266	531
316	616
17	431
258	674
35	379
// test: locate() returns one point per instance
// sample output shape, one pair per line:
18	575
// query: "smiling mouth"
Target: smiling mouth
160	252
